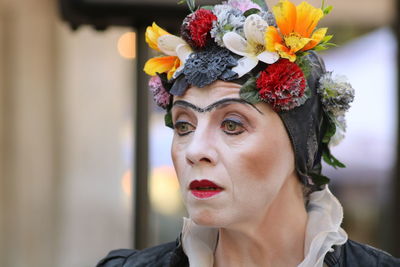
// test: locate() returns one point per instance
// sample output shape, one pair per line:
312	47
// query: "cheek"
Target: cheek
261	167
177	158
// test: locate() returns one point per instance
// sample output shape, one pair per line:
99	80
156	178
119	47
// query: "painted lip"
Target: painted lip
204	189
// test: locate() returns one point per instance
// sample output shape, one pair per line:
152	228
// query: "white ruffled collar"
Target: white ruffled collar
325	215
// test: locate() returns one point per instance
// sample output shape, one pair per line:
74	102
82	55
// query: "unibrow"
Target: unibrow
217	104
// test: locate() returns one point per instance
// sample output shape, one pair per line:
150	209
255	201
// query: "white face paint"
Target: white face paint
241	148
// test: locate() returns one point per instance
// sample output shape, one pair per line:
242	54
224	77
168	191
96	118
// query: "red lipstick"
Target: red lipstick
204	189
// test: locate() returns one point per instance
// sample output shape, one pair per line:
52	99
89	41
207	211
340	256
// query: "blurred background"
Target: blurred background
84	154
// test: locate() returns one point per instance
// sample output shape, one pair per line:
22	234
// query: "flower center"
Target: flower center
256	49
296	42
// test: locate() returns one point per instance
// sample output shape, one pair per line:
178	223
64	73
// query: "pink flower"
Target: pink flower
160	94
243	5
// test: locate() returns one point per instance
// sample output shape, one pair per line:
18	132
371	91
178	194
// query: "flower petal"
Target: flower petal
268	57
296	43
183	51
316	38
169	43
235	43
159	65
153	32
254	29
272	38
285	52
160	31
307	19
172	71
245	65
285	15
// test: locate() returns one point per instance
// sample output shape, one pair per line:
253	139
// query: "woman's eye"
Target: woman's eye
183	128
232	127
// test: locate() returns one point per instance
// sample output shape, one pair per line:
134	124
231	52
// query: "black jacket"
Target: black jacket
351	254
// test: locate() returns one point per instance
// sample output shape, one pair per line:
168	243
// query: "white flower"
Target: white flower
336	93
172	45
252	48
339	135
228	19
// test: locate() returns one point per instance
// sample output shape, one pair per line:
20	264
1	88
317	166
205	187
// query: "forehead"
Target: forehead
210	94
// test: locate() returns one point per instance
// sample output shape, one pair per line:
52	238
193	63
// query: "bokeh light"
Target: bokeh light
127	45
164	192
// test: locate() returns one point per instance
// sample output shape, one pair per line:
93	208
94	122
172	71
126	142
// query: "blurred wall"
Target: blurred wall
28	187
65	139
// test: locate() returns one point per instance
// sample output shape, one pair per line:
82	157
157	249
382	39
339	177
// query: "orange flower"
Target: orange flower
296	29
168	64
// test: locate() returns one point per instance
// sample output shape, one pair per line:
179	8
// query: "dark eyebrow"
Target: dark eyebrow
216	105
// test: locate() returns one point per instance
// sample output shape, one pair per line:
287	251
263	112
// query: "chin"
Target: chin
206	217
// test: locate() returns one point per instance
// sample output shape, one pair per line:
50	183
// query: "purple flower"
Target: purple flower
160	94
243	5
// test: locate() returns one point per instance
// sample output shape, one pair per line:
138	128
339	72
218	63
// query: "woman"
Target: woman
253	112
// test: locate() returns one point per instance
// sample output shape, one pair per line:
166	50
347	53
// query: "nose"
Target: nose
202	148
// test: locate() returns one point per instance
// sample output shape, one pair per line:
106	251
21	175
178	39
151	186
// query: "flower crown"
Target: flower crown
241	40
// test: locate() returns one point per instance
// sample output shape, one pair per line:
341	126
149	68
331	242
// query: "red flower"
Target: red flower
282	85
197	26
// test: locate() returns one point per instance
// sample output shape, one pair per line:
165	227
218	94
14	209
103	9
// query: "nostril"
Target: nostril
205	160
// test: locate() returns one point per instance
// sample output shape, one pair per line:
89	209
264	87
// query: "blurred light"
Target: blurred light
127	45
165	196
126	183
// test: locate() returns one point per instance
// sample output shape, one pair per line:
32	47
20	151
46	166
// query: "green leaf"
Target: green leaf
323	5
330	131
307	92
251	12
320	48
191	4
251	97
331	160
319	179
228	27
331	44
168	120
304	64
327	10
249	91
261	3
208	7
327	38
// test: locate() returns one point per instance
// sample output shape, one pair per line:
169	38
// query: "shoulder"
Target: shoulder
355	254
155	256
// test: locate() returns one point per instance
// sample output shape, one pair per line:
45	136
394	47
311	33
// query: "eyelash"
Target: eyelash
236	122
180	123
223	125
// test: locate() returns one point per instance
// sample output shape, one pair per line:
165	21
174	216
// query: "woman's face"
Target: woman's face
231	157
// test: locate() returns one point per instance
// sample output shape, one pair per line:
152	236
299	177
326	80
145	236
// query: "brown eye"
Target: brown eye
232	127
183	128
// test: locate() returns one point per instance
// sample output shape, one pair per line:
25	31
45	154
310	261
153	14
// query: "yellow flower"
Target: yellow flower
152	34
296	29
176	49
